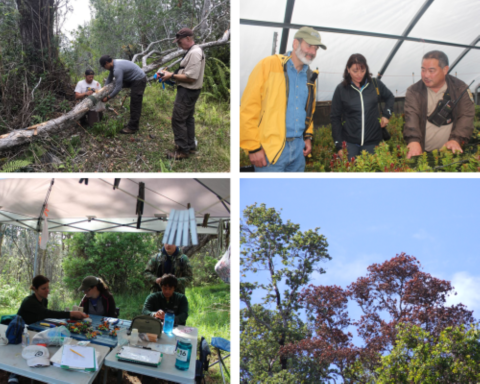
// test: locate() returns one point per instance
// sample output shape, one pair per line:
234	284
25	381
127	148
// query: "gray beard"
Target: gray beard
302	57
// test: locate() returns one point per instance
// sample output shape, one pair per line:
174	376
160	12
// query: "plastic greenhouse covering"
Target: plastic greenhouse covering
443	21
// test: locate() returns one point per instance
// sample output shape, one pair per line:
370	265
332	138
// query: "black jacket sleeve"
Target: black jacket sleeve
111	307
336	117
389	99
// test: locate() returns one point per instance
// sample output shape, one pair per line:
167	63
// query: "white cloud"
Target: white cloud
468	291
423	235
344	270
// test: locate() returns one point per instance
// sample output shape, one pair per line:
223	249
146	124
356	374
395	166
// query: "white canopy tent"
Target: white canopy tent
93	205
98	207
393	36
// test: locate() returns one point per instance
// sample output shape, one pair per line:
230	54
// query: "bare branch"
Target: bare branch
146	50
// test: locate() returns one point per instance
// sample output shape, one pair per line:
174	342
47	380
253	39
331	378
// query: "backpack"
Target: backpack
15	330
146	324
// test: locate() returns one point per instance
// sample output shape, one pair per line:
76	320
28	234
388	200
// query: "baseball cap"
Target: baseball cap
311	36
184	32
88	282
36	356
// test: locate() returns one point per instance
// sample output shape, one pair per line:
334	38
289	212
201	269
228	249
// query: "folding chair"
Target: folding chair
221	344
202	363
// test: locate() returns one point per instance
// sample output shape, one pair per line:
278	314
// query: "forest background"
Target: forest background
40	65
308	255
119	259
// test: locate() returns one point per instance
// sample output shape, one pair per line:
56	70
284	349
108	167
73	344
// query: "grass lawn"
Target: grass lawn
209	311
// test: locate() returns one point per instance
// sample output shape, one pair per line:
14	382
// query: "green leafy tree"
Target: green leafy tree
419	357
118	258
284	259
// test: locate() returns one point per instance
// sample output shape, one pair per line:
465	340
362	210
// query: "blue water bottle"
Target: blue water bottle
184	353
168	323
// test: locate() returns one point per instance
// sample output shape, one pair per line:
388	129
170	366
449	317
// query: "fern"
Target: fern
15	165
217	80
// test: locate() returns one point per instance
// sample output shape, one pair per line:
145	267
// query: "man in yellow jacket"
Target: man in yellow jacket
277	107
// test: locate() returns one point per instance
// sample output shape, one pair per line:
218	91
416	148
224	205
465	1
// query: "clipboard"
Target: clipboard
82	350
140	356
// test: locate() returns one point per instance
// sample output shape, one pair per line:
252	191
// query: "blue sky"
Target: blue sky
369	221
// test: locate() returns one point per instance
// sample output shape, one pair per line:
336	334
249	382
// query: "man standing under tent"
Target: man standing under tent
127	75
84	89
277	107
421	102
189	80
170	260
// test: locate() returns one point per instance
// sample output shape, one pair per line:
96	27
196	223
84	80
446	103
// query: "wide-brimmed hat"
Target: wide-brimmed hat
184	32
311	36
88	282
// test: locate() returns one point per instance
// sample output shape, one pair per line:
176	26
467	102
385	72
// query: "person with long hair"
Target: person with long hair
35	307
354	114
97	299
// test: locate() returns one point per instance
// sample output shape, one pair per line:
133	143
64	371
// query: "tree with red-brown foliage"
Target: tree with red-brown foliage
394	292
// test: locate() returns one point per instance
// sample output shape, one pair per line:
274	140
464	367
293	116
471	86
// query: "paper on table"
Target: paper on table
184	330
167	349
140	355
72	360
56	359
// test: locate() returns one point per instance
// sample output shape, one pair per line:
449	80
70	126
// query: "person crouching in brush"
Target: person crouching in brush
84	89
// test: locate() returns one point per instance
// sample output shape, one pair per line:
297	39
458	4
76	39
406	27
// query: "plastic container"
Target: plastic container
168	322
25	338
184	353
134	337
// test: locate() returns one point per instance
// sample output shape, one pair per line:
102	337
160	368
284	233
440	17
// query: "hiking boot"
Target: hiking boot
191	151
177	155
128	131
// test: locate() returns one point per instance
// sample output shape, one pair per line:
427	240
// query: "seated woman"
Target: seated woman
354	114
97	300
34	307
157	303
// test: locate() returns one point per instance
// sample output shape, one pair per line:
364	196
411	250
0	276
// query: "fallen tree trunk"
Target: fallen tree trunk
25	135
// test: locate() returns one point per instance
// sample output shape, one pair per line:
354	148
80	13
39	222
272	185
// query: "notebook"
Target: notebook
66	359
140	356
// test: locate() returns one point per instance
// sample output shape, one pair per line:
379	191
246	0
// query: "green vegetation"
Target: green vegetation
390	156
419	357
209	308
119	259
37	86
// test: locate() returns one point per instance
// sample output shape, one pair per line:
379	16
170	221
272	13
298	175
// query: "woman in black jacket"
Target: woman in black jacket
354	114
97	300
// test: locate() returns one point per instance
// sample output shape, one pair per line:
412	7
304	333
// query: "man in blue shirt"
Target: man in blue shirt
292	159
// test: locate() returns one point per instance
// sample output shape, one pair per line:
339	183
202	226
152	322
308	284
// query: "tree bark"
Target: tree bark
25	135
203	240
36	29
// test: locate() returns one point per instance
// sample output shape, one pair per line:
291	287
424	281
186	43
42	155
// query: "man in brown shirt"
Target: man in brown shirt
420	103
189	81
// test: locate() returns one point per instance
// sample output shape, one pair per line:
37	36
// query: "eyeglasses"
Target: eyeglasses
87	290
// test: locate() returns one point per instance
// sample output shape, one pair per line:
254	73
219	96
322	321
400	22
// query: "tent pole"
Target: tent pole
287	20
318	28
463	54
36	256
405	33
